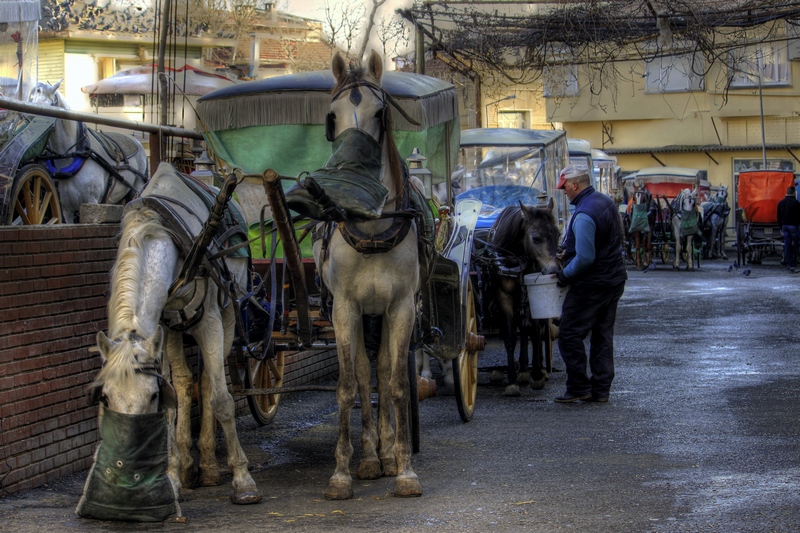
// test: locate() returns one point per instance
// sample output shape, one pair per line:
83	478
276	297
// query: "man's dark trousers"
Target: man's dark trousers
592	310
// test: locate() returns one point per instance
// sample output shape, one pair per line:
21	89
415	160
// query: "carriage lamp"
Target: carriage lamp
204	169
416	167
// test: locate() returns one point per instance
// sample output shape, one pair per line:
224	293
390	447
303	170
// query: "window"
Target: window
769	60
681	73
560	81
513	119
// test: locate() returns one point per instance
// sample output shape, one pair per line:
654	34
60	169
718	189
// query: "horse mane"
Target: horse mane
506	230
137	225
355	73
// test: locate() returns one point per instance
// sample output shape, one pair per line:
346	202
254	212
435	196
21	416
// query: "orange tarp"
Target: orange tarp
758	193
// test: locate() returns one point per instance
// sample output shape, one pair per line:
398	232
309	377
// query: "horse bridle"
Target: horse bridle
355	99
167	394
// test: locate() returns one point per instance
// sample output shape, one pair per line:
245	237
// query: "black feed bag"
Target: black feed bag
128	480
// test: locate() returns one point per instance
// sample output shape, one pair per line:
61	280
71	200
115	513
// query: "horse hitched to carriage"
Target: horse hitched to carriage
757	193
386	259
664	215
513	172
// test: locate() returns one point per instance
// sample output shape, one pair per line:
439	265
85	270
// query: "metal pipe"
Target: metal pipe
69	114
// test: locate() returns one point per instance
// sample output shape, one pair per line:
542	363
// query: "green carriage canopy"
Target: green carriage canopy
279	122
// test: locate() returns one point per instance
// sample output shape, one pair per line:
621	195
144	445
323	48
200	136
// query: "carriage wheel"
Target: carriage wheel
33	198
465	366
264	374
413	407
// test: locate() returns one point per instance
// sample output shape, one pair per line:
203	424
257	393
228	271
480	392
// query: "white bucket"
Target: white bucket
545	297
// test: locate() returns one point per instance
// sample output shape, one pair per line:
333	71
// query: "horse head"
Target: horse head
359	103
686	201
722	195
45	94
527	236
540	236
130	381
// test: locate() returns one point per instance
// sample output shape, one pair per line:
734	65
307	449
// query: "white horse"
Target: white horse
384	284
90	167
686	222
148	260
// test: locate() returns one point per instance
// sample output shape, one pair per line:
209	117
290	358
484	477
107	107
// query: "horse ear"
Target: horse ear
375	65
105	344
338	66
551	203
57	85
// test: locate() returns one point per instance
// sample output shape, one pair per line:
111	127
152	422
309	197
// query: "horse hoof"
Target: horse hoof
512	390
389	466
189	477
523	379
538	385
407	487
210	478
246	498
496	377
370	469
339	490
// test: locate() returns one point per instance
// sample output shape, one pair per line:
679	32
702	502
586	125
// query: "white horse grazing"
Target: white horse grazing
90	167
686	222
379	284
148	260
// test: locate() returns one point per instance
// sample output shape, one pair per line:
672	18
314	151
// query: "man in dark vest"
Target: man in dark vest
789	221
594	269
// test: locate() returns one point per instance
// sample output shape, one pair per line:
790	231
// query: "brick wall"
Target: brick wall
53	284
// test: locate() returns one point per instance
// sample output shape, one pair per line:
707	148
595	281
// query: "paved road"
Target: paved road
701	434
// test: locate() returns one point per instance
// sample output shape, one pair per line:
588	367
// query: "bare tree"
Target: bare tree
520	44
342	22
393	35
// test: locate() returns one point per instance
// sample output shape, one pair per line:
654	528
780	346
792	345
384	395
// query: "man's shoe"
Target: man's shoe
600	399
569	397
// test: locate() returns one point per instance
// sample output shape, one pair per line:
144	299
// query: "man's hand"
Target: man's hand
562	280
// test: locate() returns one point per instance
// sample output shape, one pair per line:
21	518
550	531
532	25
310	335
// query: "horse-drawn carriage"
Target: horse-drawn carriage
387	276
513	172
27	191
756	197
51	165
663	211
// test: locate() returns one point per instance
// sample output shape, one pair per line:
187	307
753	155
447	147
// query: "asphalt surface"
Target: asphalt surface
700	435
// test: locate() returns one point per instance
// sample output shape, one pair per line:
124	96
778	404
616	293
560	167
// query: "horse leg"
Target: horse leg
213	335
676	231
539	377
399	322
346	323
648	248
173	470
423	364
386	434
637	236
690	252
182	469
370	466
510	343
